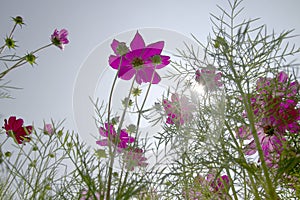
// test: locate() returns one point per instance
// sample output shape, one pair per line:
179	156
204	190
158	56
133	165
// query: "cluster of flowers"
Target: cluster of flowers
209	187
276	113
132	156
179	109
13	126
21	134
139	61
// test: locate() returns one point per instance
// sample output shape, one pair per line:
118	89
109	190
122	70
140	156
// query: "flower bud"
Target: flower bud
156	60
48	129
122	49
10	43
51	155
30	58
131	128
18	20
35	148
136	92
127	102
7	154
115	120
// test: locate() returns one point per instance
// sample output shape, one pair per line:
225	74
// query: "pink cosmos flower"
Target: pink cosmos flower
121	141
14	127
271	142
276	113
134	158
279	86
209	186
48	129
179	109
59	38
209	78
218	184
275	103
140	61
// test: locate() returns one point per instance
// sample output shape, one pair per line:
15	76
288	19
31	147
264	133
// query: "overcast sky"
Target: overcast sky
48	87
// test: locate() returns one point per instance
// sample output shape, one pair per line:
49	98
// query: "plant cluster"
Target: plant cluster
228	126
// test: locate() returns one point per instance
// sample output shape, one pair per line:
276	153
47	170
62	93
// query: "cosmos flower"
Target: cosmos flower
275	103
14	128
140	61
279	86
209	78
276	113
121	141
178	110
59	38
134	157
271	142
209	187
48	129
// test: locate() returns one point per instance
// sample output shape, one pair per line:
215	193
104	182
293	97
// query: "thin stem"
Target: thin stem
247	104
21	62
111	163
143	104
11	32
241	155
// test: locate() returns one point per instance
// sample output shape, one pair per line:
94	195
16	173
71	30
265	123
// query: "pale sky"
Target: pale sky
48	87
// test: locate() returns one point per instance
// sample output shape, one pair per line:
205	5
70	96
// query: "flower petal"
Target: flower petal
126	73
114	45
103	142
282	77
137	42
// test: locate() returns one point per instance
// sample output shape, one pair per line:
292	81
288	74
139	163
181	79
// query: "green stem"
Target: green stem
250	115
111	162
140	110
108	112
11	32
123	184
241	155
21	62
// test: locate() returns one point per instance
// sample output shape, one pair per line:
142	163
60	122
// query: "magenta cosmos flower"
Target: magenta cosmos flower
121	141
59	38
209	186
280	86
271	142
134	157
178	110
275	104
218	185
209	78
140	61
14	128
276	113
